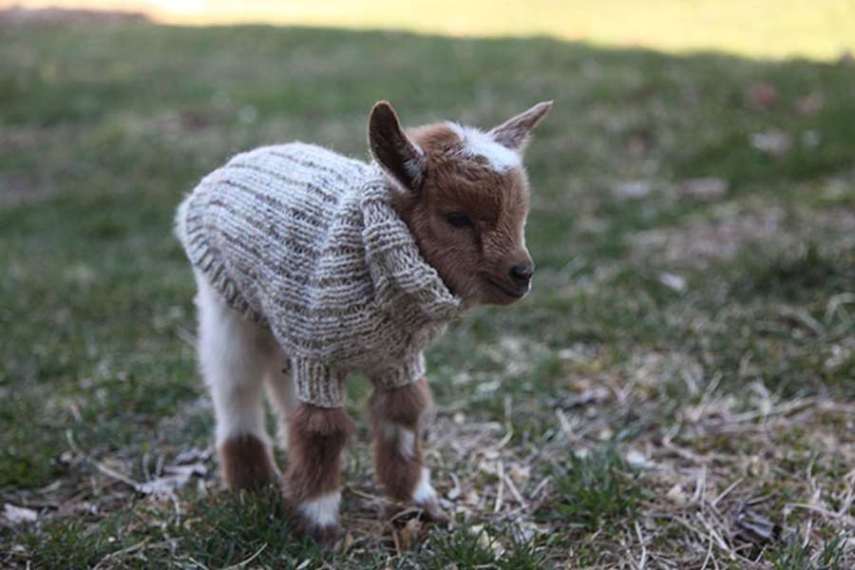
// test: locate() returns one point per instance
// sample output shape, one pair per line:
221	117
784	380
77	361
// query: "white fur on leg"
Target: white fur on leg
233	355
281	391
424	492
406	438
322	511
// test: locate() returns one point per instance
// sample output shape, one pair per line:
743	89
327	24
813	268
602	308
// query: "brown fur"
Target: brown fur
316	438
405	407
497	203
246	463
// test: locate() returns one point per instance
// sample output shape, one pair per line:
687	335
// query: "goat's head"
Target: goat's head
464	194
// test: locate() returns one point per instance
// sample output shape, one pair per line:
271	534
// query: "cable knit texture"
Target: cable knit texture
304	241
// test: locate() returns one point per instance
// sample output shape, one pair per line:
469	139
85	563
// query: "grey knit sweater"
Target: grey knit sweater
304	241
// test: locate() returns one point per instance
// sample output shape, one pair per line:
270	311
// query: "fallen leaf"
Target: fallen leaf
410	533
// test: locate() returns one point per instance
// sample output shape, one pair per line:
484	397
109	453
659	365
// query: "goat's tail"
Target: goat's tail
180	225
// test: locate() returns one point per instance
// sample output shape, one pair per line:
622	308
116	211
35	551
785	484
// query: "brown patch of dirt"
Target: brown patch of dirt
701	241
704	240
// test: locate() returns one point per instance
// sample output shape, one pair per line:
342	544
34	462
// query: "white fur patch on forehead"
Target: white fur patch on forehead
479	143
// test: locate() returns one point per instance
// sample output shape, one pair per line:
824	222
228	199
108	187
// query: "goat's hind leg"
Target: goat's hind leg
233	355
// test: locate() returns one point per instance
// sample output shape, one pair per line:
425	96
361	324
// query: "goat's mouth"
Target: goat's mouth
511	292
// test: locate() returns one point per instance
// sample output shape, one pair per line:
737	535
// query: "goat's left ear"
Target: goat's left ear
514	132
399	157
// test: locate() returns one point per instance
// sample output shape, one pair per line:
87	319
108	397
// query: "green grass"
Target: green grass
739	372
798	556
596	491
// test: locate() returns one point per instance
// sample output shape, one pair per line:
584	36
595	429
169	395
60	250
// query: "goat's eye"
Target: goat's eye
458	220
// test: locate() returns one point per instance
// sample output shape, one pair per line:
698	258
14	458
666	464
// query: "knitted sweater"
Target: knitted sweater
304	241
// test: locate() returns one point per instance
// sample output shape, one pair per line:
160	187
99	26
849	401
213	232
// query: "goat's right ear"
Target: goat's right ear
399	157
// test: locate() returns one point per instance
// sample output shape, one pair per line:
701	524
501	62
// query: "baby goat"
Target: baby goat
311	266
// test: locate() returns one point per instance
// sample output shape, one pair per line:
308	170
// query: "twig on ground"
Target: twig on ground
643	560
122	552
246	562
514	491
500	493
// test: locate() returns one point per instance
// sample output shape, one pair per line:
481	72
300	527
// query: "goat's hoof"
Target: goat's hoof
247	464
432	512
326	536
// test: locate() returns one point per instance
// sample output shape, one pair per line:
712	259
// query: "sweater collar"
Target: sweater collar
404	283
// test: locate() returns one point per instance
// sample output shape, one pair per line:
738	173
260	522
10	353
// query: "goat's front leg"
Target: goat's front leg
316	439
397	417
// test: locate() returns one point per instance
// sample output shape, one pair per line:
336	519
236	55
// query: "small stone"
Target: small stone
774	143
677	496
634	189
638	460
673	281
19	515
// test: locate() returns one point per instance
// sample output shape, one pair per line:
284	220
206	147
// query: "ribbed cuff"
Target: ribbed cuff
317	384
411	371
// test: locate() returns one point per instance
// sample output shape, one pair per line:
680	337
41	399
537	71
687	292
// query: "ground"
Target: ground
677	392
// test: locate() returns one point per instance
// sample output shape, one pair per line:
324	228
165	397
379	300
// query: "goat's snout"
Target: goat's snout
513	282
521	273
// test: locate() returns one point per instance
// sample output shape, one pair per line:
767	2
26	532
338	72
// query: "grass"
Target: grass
595	490
784	28
798	556
700	348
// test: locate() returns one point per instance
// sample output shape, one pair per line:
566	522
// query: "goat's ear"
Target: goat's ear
399	157
514	132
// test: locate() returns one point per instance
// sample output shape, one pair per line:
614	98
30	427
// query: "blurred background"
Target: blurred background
677	391
759	28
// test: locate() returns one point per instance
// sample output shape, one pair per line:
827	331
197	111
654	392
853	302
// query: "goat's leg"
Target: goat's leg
397	417
232	357
316	438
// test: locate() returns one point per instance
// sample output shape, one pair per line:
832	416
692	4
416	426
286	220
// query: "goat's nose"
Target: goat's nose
522	272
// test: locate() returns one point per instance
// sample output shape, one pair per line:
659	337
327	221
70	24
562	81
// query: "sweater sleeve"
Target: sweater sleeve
317	384
411	370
